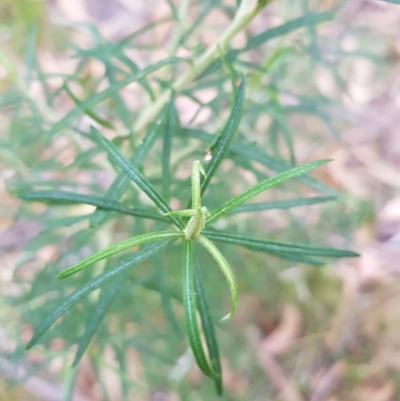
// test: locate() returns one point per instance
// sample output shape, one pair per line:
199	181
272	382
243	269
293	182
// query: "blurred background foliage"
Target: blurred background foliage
322	83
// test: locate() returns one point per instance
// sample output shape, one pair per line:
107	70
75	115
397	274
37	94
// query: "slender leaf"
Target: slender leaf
208	329
251	152
88	112
121	108
293	257
110	91
142	182
107	296
391	1
286	204
287	135
167	147
119	247
69	383
93	284
221	145
275	246
262	186
263	37
165	296
65	197
173	9
284	29
189	306
119	186
226	270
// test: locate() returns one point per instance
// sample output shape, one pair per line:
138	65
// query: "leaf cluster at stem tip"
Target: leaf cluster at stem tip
189	225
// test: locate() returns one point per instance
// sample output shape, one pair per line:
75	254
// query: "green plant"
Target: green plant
191	231
217	65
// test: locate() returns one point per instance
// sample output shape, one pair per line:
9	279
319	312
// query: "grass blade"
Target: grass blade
189	306
208	329
142	182
109	92
107	296
286	204
65	197
226	270
283	247
220	147
119	247
94	284
262	186
119	186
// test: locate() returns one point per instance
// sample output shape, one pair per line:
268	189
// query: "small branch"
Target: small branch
244	15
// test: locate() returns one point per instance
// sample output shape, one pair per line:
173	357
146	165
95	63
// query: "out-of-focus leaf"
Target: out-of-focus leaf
105	94
287	204
167	147
64	197
108	293
284	29
93	284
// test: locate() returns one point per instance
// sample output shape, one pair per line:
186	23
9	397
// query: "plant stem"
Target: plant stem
243	16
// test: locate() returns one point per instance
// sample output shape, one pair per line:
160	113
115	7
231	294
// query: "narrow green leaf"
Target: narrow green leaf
391	1
142	182
88	112
65	197
272	33
173	9
165	296
226	270
69	384
110	91
107	296
208	329
119	247
93	284
262	186
284	29
251	152
293	257
286	204
221	145
135	69
189	306
167	146
123	113
279	118
119	186
275	246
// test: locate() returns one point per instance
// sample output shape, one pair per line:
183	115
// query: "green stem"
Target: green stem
243	16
